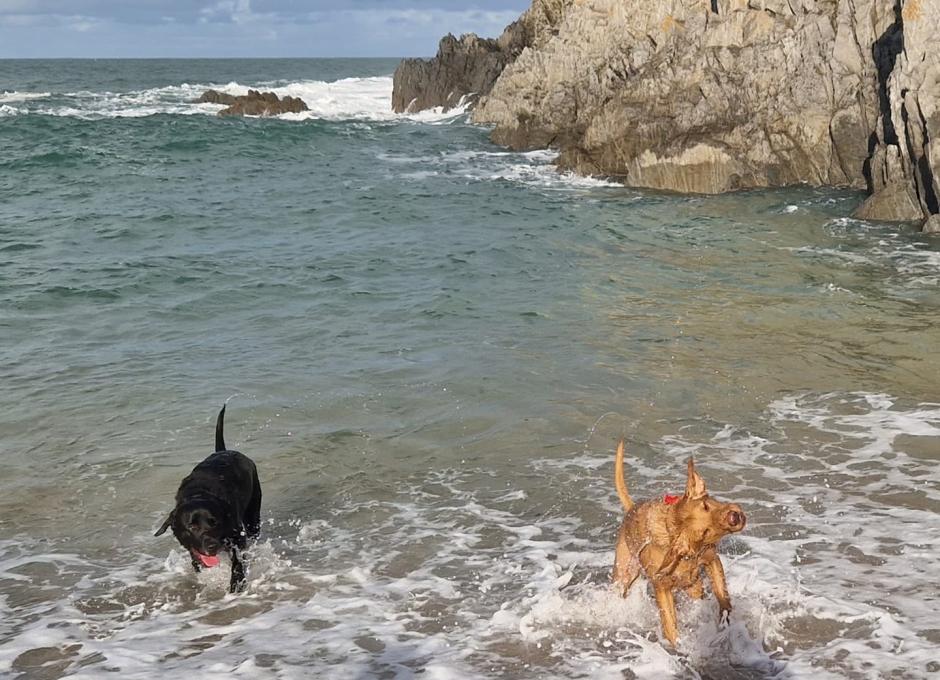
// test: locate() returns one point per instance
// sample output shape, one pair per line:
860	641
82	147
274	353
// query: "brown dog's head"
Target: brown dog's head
704	518
700	521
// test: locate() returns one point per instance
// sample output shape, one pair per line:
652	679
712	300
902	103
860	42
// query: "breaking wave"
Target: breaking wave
367	99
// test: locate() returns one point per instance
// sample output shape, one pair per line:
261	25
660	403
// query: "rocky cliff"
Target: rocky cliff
716	95
466	68
463	68
904	166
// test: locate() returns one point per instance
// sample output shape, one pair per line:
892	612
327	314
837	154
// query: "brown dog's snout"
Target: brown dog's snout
736	518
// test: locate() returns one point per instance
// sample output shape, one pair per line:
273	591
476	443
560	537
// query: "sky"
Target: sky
243	28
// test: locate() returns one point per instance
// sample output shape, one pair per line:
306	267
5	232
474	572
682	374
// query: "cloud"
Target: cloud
243	28
197	11
83	24
234	11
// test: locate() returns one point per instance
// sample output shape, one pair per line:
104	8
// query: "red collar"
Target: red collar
671	500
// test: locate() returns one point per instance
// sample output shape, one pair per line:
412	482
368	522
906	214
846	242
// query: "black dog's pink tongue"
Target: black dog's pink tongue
207	560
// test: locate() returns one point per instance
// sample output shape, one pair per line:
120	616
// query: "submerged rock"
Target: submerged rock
714	96
254	103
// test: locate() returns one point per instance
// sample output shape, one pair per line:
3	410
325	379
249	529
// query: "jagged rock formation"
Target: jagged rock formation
716	95
216	97
462	68
467	67
699	96
904	168
254	103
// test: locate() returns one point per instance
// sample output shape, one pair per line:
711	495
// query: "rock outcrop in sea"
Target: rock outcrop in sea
254	103
465	68
717	95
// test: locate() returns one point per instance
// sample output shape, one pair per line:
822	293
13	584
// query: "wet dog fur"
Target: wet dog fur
218	508
672	541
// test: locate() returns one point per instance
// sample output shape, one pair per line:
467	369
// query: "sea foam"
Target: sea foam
447	577
365	99
9	97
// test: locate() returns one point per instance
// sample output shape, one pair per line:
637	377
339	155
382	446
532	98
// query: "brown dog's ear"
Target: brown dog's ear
694	485
166	523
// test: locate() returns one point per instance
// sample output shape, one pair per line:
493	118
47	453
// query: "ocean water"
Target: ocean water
430	347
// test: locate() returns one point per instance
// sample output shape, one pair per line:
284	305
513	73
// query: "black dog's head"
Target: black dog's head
203	526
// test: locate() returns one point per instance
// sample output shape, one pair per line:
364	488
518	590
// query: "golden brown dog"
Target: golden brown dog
671	540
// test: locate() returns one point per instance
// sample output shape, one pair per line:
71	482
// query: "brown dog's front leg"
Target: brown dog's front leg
667	613
717	574
678	551
626	568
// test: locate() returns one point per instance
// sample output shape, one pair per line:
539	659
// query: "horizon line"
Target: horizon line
195	58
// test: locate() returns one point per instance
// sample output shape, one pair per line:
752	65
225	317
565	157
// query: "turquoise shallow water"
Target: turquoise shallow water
430	346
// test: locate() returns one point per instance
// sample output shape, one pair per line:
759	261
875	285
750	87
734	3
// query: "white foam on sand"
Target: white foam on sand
448	576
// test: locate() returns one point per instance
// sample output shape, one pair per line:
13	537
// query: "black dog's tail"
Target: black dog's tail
219	423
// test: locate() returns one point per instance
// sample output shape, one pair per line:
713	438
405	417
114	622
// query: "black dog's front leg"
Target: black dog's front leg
252	516
238	581
197	565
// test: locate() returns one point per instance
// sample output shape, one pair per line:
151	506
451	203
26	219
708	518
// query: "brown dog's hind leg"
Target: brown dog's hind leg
717	575
667	614
626	568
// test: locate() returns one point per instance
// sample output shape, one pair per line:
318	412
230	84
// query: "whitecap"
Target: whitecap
831	253
353	99
8	97
531	168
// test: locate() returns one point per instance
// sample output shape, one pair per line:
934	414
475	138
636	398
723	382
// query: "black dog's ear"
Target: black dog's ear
166	523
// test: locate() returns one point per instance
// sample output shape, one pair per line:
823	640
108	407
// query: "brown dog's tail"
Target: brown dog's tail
618	480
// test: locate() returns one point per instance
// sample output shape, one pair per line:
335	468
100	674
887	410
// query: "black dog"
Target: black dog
218	507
